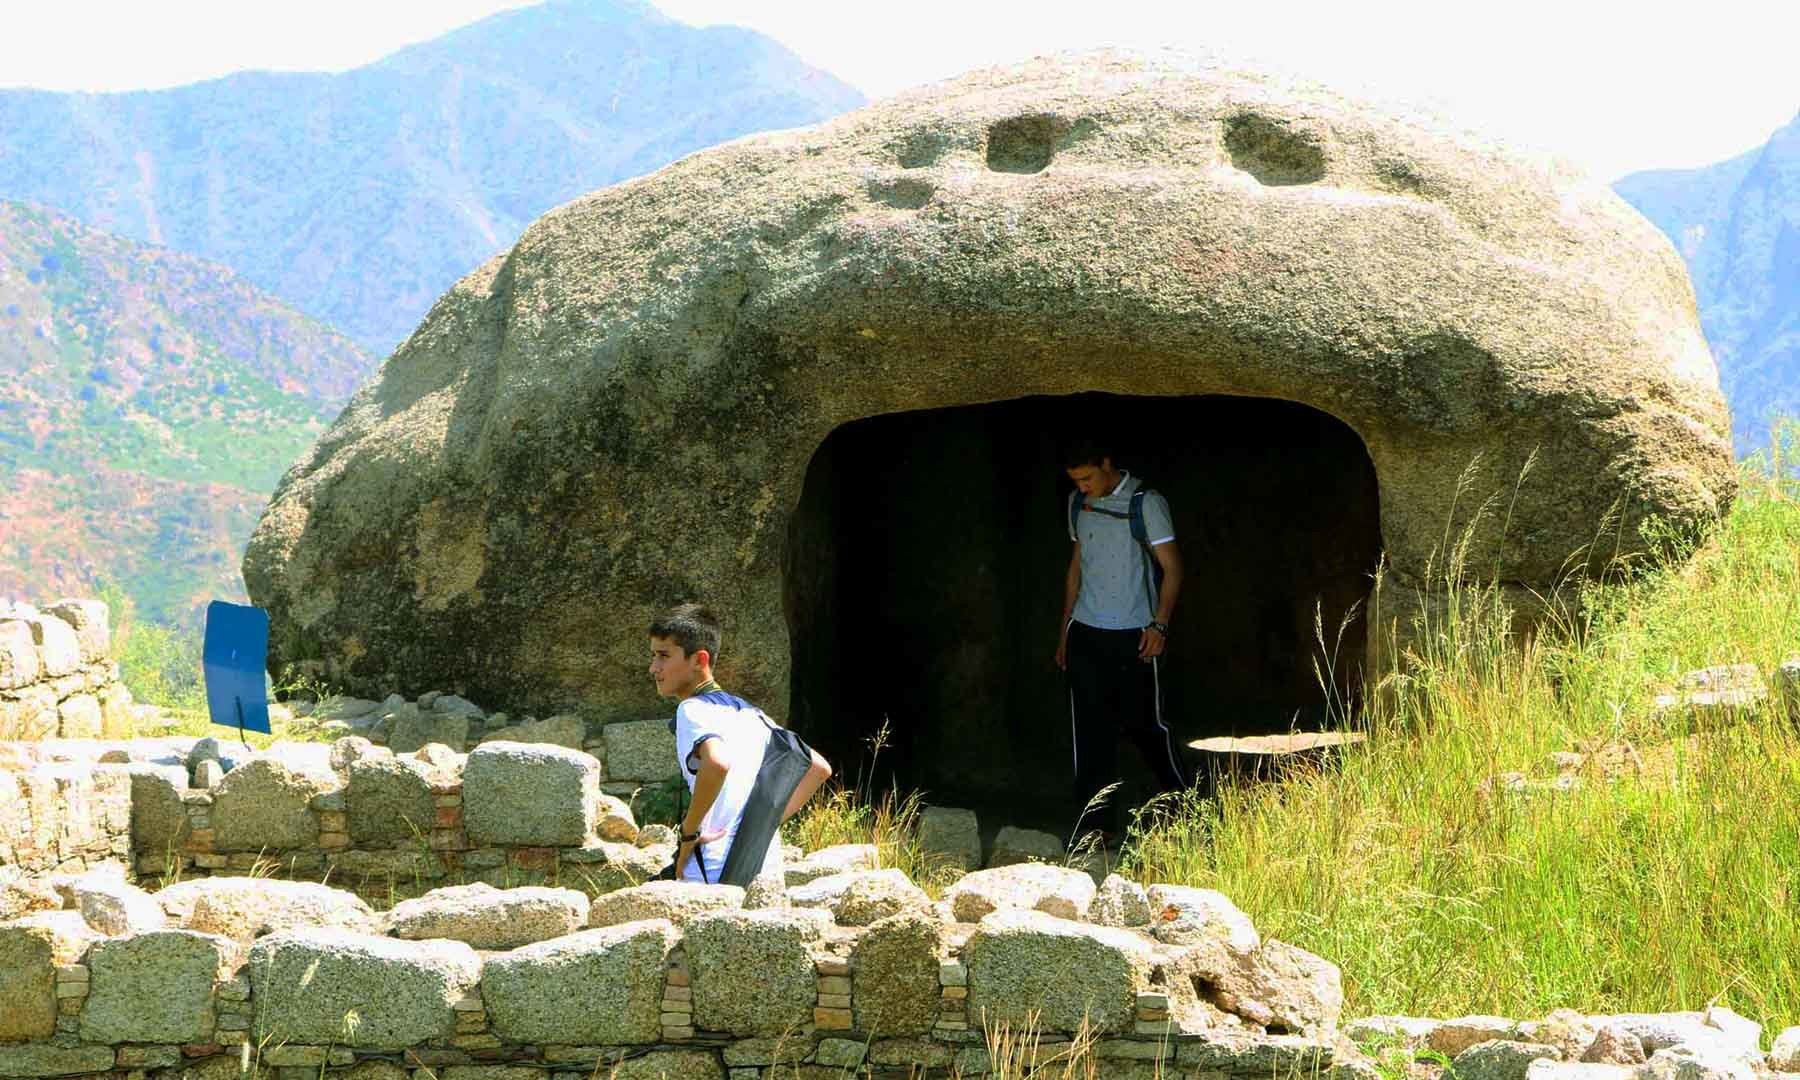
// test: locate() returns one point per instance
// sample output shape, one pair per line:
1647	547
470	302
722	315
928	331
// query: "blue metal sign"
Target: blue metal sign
235	658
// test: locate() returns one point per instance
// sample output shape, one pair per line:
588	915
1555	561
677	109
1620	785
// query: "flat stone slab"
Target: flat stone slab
245	908
676	901
490	918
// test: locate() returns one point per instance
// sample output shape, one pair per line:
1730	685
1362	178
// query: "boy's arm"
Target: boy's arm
816	774
1071	591
707	782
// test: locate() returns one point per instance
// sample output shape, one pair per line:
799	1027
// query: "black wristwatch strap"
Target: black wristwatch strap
1160	627
688	838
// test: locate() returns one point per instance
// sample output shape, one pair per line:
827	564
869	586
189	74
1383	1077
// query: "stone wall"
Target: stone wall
64	818
850	974
390	825
57	677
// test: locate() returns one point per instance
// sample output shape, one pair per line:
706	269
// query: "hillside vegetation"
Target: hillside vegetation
1660	870
359	197
150	403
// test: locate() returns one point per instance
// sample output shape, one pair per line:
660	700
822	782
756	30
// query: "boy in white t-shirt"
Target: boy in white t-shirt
719	743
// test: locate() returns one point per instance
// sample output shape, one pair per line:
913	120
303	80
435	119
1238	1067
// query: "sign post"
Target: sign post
235	659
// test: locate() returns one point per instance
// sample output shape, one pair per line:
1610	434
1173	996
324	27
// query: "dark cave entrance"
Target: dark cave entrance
924	569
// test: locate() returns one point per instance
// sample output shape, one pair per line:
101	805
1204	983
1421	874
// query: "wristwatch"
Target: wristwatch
1160	627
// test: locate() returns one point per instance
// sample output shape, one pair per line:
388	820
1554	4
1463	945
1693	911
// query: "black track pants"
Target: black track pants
1114	695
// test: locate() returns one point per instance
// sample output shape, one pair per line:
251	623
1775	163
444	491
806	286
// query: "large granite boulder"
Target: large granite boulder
491	510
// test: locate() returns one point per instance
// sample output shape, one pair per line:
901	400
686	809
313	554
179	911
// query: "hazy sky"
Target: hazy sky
1614	86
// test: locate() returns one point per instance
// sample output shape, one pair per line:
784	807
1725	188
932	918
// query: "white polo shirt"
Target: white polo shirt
742	737
1113	593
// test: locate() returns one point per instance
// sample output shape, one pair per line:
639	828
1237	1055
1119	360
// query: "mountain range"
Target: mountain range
1737	223
360	197
152	400
173	262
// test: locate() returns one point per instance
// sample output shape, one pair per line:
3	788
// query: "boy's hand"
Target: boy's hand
1151	643
686	851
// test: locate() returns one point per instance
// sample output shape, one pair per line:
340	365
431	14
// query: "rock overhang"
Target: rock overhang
1089	223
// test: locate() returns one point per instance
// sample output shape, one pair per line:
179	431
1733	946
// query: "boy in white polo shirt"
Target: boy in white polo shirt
719	742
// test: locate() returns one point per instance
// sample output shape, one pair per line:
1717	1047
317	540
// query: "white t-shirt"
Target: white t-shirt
1115	573
743	736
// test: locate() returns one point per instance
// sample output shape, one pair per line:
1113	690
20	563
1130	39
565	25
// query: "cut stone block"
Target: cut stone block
751	971
1055	890
78	717
895	975
18	656
27	983
1029	967
530	794
304	982
263	806
642	750
245	908
950	837
388	800
154	988
92	623
676	901
596	987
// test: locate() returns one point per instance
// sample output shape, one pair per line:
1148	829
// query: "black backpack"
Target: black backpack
1134	515
785	762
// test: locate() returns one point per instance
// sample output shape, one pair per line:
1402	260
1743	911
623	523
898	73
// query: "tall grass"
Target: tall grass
1667	880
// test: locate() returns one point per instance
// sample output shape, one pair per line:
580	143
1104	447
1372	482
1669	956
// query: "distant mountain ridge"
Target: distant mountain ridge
360	197
151	401
1737	224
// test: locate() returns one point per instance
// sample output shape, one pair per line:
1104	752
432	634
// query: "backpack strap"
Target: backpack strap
1076	499
1153	571
1139	531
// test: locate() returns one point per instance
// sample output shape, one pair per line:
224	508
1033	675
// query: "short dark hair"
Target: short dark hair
1085	450
691	626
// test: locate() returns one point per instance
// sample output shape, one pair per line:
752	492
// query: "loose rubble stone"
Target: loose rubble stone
208	775
247	907
614	821
78	717
21	895
403	992
1738	1030
567	730
894	976
344	708
350	749
18	658
1119	902
1500	1059
1182	915
1279	986
30	714
676	901
1027	966
1408	1032
450	703
388	800
490	918
1015	845
154	988
1055	890
1452	1037
603	866
262	806
951	837
58	649
729	951
641	750
837	859
27	983
876	893
1784	1053
530	794
595	987
1613	1045
413	729
1692	1062
115	908
92	622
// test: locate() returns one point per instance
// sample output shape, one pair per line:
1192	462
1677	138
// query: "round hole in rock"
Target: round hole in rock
924	582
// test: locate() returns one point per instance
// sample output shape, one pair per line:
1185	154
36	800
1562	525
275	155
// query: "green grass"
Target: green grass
1439	894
